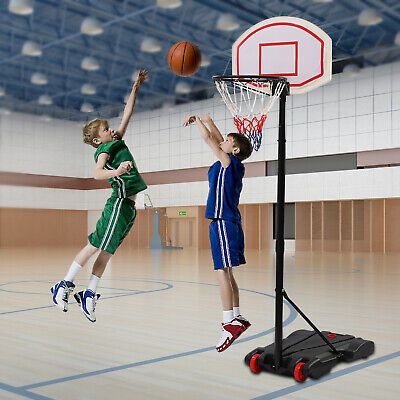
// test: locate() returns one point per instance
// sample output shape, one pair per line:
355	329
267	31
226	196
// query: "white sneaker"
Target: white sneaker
230	331
61	291
87	302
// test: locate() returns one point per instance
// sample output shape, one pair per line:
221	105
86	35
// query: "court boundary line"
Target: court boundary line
292	316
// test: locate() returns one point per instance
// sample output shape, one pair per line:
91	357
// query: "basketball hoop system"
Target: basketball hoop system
249	98
268	59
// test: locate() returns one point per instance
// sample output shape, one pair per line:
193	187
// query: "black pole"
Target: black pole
280	230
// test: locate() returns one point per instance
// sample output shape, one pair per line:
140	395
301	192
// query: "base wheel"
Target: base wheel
254	366
298	372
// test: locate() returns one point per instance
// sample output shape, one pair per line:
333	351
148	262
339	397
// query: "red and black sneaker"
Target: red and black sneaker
243	321
230	331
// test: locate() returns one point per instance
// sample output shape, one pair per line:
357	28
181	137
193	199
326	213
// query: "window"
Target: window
290	214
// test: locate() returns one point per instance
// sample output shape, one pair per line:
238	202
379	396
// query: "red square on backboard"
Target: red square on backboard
278	58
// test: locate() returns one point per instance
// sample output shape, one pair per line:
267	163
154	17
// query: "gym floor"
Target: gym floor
158	322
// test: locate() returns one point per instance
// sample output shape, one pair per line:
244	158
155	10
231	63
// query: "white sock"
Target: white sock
236	311
227	316
74	269
94	281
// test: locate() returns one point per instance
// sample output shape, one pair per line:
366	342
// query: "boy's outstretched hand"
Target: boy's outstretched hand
189	120
142	75
193	118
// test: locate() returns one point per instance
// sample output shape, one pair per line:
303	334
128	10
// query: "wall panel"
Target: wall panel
331	226
392	225
346	226
303	226
41	227
378	225
316	226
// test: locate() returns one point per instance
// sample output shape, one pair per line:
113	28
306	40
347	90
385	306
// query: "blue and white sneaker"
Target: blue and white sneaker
87	301
61	291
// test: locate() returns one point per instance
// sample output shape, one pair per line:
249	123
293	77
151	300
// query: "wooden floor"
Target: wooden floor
158	322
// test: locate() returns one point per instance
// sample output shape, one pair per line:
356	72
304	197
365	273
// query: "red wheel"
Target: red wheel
298	372
254	367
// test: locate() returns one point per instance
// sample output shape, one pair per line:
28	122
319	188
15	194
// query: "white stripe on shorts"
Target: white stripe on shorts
227	244
221	243
109	223
115	224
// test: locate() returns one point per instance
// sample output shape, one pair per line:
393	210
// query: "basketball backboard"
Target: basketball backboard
287	47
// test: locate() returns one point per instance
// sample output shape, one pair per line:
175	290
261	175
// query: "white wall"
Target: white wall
347	115
31	145
333	185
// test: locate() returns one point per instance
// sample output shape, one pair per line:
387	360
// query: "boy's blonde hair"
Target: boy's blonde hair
91	130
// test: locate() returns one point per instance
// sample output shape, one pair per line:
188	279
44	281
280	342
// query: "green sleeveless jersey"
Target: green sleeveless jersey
126	184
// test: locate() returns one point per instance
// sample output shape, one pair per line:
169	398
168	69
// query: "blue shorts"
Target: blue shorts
227	243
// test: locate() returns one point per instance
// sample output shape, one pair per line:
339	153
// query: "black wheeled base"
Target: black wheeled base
305	354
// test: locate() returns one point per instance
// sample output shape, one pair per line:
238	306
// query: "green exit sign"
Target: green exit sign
182	213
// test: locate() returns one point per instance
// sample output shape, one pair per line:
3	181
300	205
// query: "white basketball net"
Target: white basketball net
249	105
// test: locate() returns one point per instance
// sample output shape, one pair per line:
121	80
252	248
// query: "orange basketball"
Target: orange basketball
184	58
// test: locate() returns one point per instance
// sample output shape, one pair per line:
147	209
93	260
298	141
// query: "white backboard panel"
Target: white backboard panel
285	46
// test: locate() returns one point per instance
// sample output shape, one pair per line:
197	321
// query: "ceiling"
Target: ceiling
55	25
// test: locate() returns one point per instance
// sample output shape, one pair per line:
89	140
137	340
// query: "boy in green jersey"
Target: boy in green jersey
115	163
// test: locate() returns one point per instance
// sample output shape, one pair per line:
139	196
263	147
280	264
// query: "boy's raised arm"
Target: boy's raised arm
130	104
213	128
210	139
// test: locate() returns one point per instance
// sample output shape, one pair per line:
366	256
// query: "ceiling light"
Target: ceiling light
351	70
5	111
205	61
397	39
88	88
90	64
39	79
323	1
91	26
20	7
169	4
150	45
45	100
369	17
227	22
2	91
31	49
87	108
182	88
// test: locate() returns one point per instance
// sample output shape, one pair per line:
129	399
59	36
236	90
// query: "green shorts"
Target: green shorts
114	224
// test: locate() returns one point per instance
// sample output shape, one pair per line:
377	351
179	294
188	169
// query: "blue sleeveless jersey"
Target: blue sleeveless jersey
225	186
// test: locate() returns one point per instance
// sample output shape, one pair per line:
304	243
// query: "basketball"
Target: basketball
184	58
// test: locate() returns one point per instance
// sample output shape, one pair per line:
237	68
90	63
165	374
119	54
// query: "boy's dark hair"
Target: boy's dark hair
91	129
244	145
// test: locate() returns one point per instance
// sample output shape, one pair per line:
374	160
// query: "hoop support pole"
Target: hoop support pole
280	231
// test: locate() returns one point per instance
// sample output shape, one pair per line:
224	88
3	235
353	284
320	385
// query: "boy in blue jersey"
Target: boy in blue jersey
226	234
115	163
